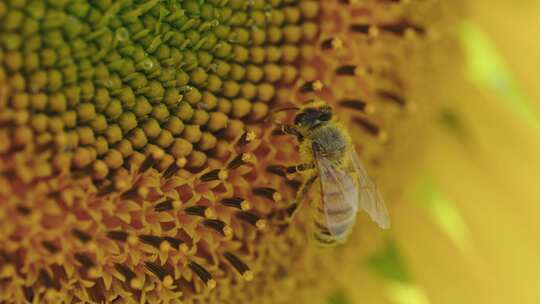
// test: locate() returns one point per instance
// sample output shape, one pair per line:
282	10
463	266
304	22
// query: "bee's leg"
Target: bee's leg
291	210
300	168
283	129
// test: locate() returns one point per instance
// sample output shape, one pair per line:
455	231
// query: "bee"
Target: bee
330	158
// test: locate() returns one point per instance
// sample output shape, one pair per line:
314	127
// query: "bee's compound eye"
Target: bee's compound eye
324	113
325	116
299	119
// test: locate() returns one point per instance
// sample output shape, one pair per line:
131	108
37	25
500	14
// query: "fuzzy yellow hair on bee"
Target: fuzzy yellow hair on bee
329	157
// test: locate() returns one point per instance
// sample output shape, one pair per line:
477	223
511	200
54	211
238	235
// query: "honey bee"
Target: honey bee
330	158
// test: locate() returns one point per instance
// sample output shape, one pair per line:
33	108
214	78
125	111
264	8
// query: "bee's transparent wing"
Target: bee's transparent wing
369	197
340	197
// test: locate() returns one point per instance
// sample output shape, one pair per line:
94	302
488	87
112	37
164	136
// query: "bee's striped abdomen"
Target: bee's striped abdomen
334	217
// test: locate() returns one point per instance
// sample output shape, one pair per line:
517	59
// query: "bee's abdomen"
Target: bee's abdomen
333	225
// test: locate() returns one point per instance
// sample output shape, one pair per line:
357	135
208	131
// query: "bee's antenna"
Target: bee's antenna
272	113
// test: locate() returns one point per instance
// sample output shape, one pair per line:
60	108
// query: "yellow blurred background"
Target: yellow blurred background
467	229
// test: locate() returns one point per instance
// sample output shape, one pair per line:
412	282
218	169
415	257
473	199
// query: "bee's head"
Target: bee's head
312	117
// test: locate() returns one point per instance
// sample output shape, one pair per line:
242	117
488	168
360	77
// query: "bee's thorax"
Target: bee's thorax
329	141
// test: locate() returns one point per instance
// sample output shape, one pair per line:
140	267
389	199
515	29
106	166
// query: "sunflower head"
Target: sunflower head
136	161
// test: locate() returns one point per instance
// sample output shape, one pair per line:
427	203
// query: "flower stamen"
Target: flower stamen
351	70
117	235
202	211
236	202
358	104
129	276
174	167
268	193
81	235
135	192
332	44
219	226
246	138
216	174
278	170
166	205
50	246
240	266
154	156
203	274
160	272
371	128
312	86
399	100
239	160
252	219
177	244
155	241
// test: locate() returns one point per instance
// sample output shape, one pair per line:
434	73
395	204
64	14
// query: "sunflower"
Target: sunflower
139	164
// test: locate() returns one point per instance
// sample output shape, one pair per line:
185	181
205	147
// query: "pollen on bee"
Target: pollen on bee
203	274
236	202
216	174
246	138
252	219
268	193
239	160
240	266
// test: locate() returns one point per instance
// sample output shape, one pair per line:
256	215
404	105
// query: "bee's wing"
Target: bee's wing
339	195
370	198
